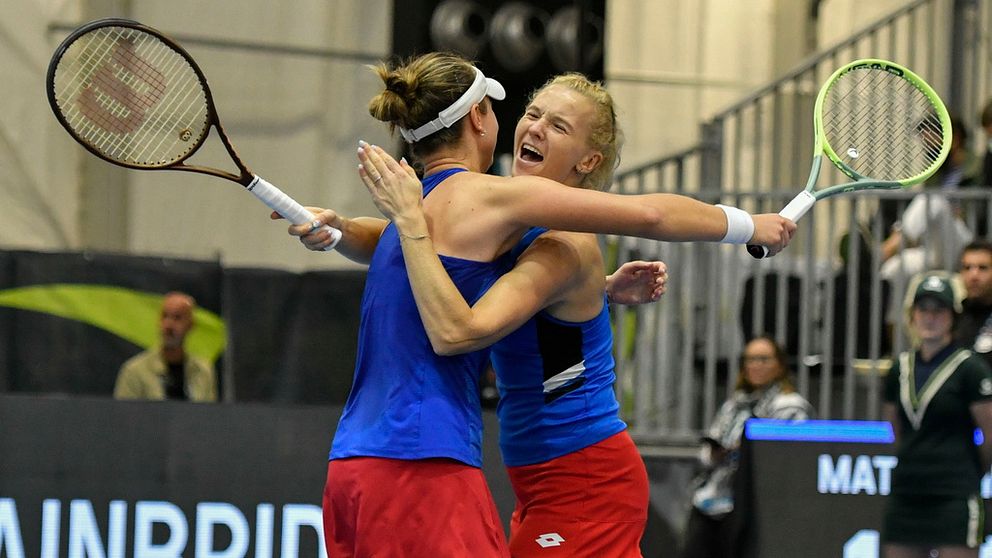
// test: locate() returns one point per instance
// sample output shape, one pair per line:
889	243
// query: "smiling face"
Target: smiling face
552	137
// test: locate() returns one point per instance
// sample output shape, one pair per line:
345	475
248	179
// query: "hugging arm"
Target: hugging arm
637	282
525	201
545	270
359	235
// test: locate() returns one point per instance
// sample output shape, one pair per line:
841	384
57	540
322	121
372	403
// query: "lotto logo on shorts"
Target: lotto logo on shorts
548	540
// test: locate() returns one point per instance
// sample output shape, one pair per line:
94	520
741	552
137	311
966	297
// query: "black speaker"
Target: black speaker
521	44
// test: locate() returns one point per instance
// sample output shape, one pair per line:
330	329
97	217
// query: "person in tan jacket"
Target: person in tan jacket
168	371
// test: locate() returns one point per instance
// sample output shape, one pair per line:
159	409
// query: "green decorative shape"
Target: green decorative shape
129	314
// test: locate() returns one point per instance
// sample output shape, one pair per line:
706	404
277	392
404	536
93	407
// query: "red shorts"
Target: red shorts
590	503
393	508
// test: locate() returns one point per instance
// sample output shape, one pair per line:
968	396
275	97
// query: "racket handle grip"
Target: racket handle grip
793	212
278	201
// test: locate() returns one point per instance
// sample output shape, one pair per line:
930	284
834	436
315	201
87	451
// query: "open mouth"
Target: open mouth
530	154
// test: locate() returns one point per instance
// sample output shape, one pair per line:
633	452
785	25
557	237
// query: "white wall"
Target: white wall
671	63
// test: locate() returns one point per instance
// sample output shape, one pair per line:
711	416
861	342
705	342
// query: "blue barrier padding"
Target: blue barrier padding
850	431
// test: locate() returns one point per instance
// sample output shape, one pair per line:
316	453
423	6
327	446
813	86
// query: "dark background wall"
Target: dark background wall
521	44
291	336
290	358
85	453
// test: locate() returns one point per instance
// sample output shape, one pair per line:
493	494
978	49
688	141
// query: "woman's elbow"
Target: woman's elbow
450	344
443	348
653	224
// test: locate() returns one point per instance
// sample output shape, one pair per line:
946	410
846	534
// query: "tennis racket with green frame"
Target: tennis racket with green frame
881	125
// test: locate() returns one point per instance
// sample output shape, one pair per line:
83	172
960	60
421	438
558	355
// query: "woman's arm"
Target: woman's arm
533	201
359	235
637	282
543	272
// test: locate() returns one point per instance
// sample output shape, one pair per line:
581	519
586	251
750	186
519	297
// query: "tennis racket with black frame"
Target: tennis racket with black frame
135	98
881	125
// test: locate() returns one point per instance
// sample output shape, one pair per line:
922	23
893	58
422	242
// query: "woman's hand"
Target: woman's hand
772	231
637	282
314	235
395	189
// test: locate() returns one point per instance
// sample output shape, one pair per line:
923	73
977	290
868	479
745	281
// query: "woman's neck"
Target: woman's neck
458	156
437	165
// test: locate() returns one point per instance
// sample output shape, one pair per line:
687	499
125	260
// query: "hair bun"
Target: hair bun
398	84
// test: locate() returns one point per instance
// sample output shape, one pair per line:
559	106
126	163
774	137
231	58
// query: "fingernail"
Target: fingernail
403	160
362	143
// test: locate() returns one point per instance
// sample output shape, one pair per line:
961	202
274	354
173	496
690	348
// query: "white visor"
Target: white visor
480	89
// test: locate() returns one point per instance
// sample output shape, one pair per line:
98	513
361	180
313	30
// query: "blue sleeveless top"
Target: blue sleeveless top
407	402
555	380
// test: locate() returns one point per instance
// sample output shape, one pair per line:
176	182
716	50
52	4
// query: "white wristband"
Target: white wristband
740	226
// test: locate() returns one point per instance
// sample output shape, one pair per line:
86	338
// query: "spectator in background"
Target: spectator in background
935	397
931	229
931	232
983	176
985	179
860	290
974	327
168	371
764	390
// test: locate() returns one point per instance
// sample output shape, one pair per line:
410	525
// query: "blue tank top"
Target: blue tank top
407	402
555	380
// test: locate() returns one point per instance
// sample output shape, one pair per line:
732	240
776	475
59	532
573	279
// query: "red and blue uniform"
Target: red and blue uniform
404	471
581	486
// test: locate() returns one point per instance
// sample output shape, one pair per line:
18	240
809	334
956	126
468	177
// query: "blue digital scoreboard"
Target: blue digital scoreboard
817	488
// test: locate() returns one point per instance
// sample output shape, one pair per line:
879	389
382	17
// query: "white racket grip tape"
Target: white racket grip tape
278	201
798	206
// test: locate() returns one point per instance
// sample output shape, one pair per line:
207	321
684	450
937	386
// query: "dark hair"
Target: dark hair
417	90
987	115
780	358
977	245
958	128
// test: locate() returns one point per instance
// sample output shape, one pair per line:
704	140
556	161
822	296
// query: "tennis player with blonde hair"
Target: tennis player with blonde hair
404	471
581	485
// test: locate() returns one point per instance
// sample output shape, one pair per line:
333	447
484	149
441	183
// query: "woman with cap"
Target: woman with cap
404	477
938	399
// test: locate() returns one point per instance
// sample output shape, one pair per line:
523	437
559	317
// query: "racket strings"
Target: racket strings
113	137
881	125
131	97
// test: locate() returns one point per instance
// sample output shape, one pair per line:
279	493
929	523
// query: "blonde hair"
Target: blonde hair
417	90
605	135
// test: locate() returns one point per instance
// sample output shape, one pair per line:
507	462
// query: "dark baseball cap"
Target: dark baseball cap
937	287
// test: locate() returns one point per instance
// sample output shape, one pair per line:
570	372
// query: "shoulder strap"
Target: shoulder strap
529	237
